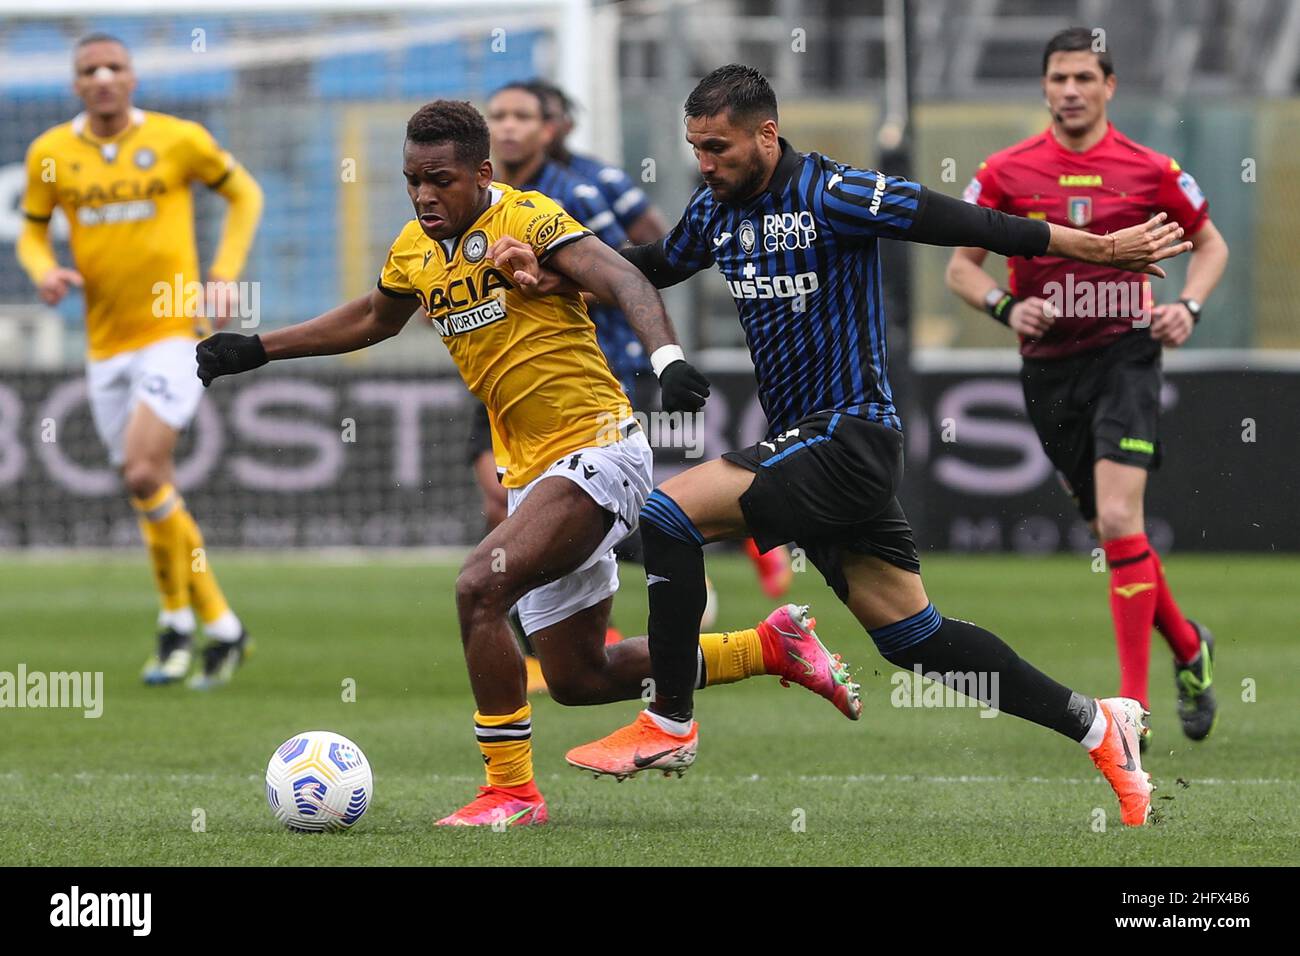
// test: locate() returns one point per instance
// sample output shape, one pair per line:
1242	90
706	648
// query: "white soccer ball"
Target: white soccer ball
318	780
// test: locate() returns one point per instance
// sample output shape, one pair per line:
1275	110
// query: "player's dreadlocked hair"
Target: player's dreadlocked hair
740	91
1076	40
451	121
546	91
527	87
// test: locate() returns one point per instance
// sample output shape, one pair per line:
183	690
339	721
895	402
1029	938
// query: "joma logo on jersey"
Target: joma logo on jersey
119	190
788	230
466	291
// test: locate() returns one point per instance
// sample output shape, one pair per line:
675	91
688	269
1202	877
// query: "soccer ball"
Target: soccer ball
318	780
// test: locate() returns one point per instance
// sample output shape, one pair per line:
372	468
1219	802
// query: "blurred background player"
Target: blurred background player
635	213
521	138
122	177
1092	384
635	217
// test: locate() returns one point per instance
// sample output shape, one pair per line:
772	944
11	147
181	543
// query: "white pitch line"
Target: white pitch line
911	778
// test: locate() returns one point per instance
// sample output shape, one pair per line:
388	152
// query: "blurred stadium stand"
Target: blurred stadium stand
1210	82
338	83
295	95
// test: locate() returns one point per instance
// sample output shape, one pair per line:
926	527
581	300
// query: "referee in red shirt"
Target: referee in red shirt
1091	340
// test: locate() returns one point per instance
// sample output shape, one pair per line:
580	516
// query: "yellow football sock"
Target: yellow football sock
209	601
507	744
732	656
163	526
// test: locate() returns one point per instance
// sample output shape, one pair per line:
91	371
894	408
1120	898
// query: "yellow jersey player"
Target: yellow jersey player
572	458
122	178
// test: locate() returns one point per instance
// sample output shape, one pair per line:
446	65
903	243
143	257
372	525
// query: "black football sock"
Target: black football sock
982	665
674	569
630	549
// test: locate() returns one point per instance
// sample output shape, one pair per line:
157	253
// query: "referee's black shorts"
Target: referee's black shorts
1099	404
828	484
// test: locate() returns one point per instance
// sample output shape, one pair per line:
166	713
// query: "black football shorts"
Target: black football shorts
828	485
1099	404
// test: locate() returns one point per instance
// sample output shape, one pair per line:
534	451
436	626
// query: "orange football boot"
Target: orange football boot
641	745
1119	759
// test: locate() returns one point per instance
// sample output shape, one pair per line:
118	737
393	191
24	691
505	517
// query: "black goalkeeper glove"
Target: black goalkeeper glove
684	389
228	353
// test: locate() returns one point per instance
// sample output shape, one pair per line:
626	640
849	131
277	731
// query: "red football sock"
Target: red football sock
524	791
1133	591
1177	630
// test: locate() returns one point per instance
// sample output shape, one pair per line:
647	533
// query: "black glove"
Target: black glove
228	353
684	389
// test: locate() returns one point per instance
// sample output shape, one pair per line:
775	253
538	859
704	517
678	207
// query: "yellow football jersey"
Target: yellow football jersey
131	219
533	362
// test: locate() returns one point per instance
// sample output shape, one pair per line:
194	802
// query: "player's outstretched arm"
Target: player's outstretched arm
517	257
944	221
1135	249
595	268
354	325
598	269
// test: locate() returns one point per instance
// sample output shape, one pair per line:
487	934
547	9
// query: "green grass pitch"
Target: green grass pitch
781	778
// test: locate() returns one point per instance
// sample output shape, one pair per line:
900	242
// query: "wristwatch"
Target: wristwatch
998	304
1193	307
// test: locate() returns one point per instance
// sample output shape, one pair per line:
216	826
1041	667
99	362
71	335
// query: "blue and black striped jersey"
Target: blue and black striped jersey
802	263
580	199
583	201
625	197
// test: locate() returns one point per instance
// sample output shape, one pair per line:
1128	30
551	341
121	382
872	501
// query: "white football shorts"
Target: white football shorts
618	477
163	375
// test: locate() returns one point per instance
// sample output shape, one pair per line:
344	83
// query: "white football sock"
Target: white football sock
677	728
182	620
225	628
1092	739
